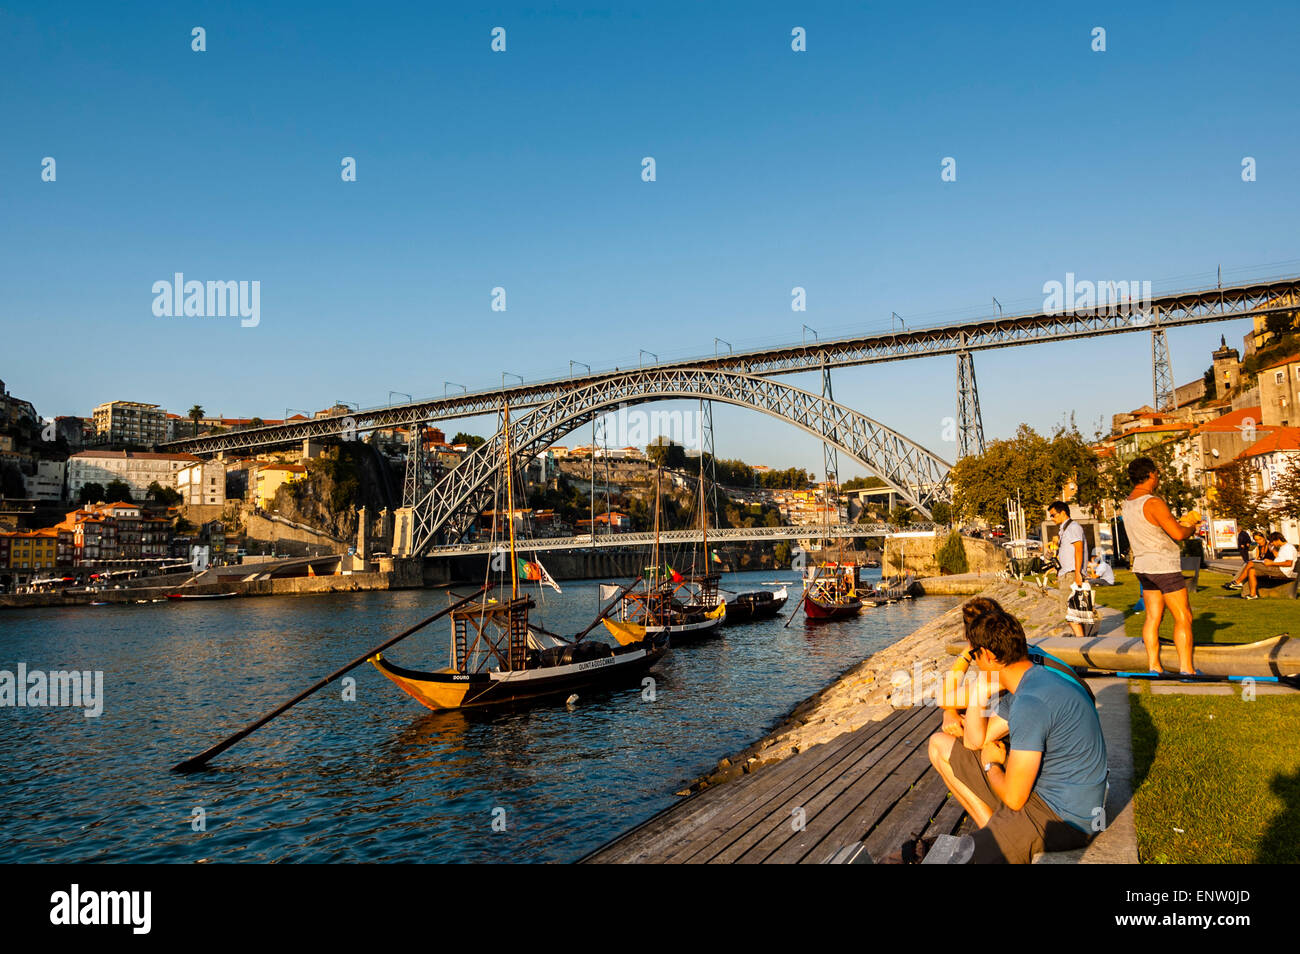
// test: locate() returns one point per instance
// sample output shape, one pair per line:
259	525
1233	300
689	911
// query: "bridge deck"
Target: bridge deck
873	785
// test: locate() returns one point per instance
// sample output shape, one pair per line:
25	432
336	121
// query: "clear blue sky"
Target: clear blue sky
523	170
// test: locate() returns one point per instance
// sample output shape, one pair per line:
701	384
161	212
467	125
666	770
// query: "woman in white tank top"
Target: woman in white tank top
1153	534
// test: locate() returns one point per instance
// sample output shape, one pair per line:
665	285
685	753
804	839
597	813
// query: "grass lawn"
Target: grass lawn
1218	616
1216	778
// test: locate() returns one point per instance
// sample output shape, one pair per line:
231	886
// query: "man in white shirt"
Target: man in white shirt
1099	571
1073	555
1279	570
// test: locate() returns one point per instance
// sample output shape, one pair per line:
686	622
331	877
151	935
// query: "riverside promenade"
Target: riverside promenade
847	776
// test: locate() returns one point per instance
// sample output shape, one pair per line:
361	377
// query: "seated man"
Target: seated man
1099	571
1281	569
1044	788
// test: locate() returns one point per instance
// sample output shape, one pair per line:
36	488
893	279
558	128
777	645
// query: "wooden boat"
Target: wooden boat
199	596
1275	656
677	627
831	592
524	674
759	604
497	658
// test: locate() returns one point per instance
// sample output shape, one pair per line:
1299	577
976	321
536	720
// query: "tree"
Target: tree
1286	491
163	495
1036	467
91	493
951	557
901	515
863	483
666	453
942	513
196	413
117	491
1234	497
256	422
1211	384
472	440
1174	488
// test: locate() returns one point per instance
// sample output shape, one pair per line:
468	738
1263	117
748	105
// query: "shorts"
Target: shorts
1164	582
1011	837
1271	576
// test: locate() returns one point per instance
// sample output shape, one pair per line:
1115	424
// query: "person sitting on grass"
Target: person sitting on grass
1044	787
1281	569
1099	571
1263	551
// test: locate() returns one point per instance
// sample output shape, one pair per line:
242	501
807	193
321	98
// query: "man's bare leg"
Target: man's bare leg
1180	608
940	752
1155	602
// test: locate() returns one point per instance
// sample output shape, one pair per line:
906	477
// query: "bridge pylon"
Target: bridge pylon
830	457
970	426
1162	372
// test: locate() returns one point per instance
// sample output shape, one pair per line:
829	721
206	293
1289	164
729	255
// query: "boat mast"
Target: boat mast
510	504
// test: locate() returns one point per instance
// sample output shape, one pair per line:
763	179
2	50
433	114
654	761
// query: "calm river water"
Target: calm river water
379	778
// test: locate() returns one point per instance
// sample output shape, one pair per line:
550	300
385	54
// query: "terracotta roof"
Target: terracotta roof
1279	439
1151	428
1290	359
134	455
1234	420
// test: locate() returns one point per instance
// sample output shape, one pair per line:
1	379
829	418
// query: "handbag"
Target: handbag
1081	607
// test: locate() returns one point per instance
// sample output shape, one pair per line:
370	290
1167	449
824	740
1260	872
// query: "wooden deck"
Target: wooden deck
874	785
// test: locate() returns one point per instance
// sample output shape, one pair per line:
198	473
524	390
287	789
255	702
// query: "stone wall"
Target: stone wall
916	554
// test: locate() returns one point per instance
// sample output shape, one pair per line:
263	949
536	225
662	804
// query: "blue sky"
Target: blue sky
523	170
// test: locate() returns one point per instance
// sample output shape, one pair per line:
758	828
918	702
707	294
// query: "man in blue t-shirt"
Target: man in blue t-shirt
1033	774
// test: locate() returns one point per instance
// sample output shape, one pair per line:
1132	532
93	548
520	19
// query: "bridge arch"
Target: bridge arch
449	508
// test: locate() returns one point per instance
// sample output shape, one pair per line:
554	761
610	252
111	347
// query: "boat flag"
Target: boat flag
546	579
716	558
310	571
534	571
677	577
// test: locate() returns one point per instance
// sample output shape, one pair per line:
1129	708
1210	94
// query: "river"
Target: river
377	778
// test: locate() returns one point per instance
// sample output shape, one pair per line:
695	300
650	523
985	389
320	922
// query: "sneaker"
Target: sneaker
1234	585
1247	596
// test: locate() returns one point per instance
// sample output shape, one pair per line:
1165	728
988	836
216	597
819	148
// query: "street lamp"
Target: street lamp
806	329
999	304
643	351
730	349
447	384
892	316
408	397
513	375
583	363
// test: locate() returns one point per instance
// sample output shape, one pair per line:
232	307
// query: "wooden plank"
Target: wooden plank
855	825
946	819
657	834
776	799
859	805
910	816
764	838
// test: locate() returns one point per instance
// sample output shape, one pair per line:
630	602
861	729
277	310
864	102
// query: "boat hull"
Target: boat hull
818	610
743	610
448	690
1277	656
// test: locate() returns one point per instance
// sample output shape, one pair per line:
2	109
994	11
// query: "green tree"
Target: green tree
91	493
163	495
941	511
196	413
473	440
1030	464
117	491
256	422
951	557
666	453
1234	497
901	515
1286	491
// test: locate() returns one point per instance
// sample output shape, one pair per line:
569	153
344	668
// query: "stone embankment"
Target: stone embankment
870	690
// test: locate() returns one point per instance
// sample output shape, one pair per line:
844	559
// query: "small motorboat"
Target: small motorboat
199	596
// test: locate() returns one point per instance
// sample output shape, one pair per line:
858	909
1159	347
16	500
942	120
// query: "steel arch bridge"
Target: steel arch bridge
450	507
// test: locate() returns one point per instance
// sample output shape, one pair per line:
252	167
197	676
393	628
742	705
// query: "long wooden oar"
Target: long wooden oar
196	763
